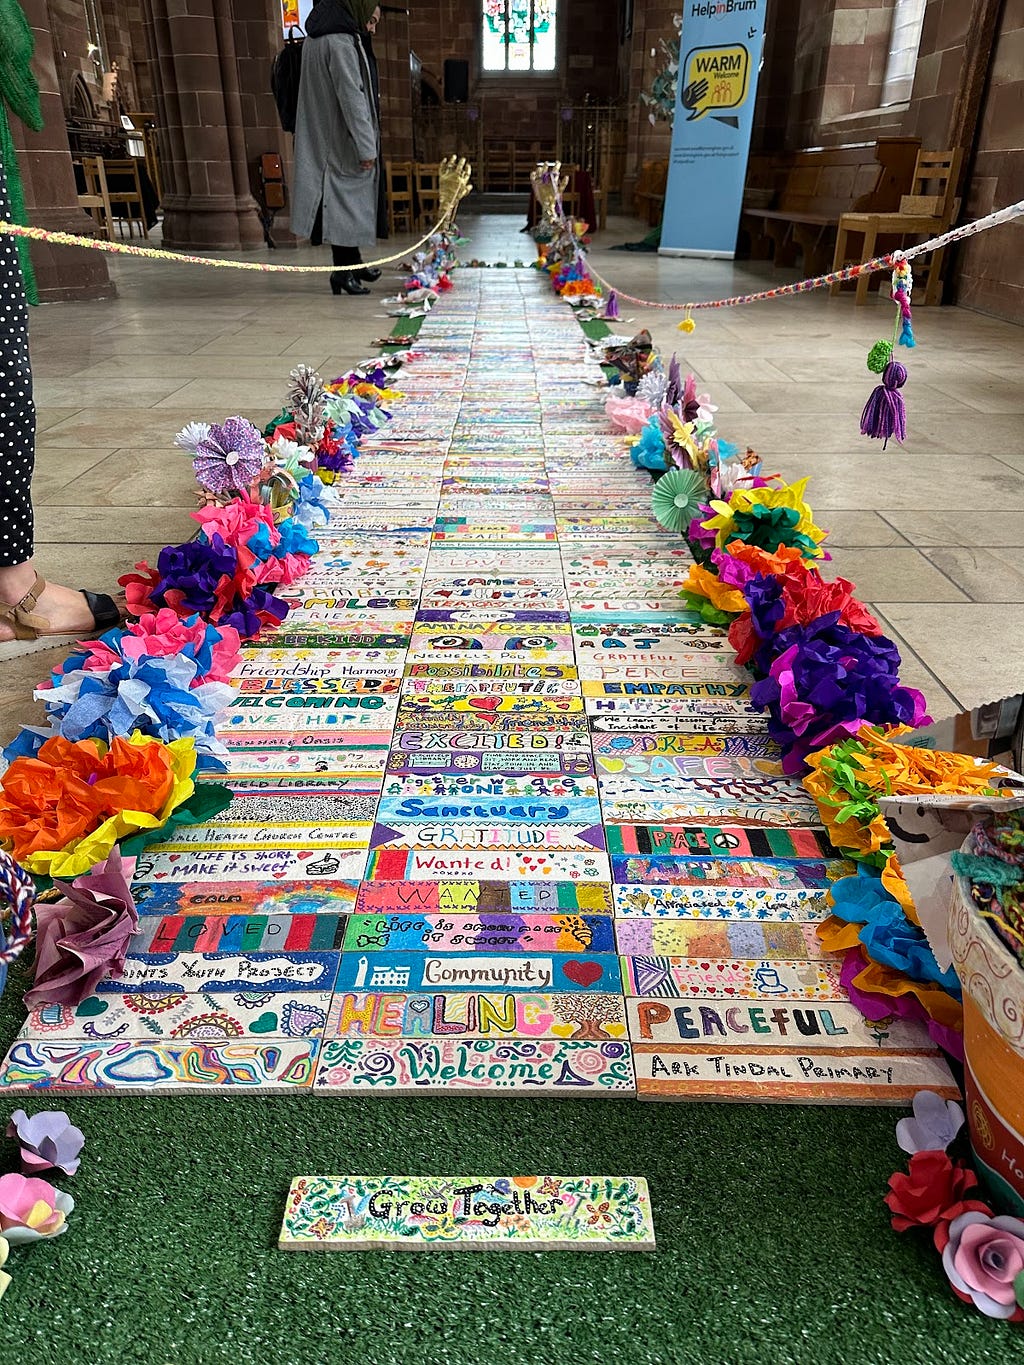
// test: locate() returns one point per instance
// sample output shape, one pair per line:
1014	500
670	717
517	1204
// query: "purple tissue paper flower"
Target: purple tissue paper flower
935	1124
49	1141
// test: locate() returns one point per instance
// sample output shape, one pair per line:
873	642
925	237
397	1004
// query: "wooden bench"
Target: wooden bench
649	195
808	191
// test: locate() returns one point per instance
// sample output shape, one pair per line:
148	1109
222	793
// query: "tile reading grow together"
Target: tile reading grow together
468	1213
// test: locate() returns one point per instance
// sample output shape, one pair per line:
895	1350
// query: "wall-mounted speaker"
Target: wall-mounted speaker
456	81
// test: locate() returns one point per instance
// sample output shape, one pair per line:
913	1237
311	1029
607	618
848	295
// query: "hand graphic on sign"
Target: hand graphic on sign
692	96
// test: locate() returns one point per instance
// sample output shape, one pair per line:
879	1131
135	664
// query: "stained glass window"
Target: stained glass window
519	35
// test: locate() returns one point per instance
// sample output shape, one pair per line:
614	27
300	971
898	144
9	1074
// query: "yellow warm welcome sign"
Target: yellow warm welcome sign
716	79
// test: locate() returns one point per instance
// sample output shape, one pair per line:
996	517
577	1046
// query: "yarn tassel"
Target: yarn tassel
611	307
885	415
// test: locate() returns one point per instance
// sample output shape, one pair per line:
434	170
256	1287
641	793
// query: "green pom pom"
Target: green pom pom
879	356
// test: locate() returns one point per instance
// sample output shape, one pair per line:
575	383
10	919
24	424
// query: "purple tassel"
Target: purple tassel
884	414
611	307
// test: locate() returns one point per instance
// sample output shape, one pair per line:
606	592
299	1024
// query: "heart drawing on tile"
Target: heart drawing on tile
582	973
266	1023
484	703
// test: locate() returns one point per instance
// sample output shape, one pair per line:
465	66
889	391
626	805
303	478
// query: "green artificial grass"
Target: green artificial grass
773	1243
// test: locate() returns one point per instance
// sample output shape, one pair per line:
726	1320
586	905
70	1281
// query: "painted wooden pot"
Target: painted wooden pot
993	985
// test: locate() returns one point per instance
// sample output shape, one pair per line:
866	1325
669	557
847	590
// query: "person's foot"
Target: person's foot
369	275
66	611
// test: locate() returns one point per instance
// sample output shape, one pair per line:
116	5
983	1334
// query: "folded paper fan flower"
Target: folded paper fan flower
677	497
84	936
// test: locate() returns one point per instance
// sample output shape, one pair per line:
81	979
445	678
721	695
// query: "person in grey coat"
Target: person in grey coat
337	137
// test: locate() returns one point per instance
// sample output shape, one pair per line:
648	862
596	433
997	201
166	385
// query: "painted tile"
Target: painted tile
498	932
826	1025
721	841
207	1018
796	905
779	874
477	1213
433	971
499	785
251	864
238	933
753	815
811	1077
718	938
467	896
400	865
471	1014
396	1066
245	898
683	977
133	1066
195	973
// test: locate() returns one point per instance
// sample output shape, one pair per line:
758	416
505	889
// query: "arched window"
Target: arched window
519	35
901	60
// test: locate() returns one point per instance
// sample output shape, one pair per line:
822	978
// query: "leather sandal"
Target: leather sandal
27	624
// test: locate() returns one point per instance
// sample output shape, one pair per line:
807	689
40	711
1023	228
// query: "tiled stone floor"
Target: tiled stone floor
932	533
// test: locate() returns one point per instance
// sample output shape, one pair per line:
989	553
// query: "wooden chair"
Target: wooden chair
428	196
926	211
96	199
128	168
399	185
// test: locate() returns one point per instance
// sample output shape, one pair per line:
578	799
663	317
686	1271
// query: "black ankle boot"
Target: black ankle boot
370	275
345	281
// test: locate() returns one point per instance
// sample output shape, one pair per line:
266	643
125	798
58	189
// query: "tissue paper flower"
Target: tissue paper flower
289	456
236	522
85	936
825	682
628	415
702	582
48	1141
227	457
648	450
63	810
215	649
159	696
31	1210
984	1260
935	1124
313	507
768	517
933	1189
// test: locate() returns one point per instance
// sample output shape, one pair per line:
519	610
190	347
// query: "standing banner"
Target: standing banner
719	56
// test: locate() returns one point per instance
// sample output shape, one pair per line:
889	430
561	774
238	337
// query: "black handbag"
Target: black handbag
285	73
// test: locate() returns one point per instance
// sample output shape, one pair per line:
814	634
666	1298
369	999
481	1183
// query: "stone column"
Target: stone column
48	176
207	200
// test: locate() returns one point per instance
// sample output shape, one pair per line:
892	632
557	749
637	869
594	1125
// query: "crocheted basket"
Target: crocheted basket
17	896
993	985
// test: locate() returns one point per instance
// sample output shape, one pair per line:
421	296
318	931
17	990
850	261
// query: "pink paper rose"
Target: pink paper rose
31	1210
983	1256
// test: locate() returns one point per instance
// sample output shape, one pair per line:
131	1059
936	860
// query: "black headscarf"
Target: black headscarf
339	16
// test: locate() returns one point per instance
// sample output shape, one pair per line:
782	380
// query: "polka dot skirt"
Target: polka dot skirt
17	410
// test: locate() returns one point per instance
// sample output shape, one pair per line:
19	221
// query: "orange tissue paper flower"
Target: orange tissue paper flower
63	810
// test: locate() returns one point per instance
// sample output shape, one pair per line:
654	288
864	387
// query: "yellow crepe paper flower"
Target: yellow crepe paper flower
744	499
707	584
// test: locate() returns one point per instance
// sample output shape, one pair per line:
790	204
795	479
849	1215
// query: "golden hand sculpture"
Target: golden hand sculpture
454	183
